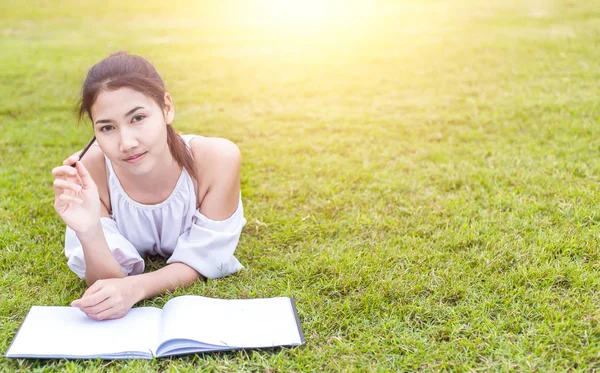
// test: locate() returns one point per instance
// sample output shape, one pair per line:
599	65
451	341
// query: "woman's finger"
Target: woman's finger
60	185
96	287
58	191
74	178
99	308
72	199
91	300
72	159
63	172
86	178
107	314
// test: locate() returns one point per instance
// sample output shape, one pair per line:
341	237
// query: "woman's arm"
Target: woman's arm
168	278
112	298
81	210
99	261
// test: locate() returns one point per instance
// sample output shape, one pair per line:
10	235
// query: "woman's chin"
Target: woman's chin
138	168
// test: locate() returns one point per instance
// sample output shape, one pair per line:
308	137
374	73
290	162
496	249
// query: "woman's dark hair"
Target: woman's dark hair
124	70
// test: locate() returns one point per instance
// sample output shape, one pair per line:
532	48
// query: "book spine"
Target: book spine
293	303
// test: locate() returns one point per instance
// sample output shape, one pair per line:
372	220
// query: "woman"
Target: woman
144	190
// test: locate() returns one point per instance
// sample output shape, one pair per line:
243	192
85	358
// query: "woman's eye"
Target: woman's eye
106	128
137	118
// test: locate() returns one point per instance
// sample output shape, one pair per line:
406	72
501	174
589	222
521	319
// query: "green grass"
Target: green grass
422	180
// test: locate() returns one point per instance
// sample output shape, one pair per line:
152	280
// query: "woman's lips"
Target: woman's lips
136	159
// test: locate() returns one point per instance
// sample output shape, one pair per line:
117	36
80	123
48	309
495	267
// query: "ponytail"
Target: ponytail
180	152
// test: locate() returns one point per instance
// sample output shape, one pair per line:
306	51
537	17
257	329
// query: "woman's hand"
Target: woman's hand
76	198
109	299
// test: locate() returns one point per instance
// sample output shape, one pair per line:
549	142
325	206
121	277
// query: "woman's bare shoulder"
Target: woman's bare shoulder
213	153
218	163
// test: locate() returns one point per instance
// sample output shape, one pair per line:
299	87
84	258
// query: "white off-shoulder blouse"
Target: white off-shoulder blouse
173	229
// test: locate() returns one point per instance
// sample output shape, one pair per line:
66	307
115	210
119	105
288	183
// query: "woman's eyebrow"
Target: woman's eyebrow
125	116
132	111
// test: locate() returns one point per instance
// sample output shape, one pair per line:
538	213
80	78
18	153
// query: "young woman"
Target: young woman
144	190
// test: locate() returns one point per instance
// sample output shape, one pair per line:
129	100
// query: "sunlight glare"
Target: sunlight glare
298	12
304	16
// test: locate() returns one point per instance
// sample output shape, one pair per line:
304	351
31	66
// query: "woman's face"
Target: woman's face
131	129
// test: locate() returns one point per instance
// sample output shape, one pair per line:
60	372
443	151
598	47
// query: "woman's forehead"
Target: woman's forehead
120	101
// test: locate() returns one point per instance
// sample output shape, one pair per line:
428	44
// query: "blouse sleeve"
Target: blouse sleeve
122	250
208	245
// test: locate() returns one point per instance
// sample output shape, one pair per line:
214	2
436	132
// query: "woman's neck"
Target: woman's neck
155	186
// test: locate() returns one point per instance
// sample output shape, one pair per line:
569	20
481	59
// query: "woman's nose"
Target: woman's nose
128	140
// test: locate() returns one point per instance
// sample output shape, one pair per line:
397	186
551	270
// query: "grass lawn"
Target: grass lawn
421	176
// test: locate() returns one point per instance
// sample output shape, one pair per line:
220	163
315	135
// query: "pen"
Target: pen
85	149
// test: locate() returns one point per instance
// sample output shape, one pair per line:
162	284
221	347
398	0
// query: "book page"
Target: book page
68	332
241	323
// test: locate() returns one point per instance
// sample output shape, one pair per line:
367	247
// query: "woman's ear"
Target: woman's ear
169	108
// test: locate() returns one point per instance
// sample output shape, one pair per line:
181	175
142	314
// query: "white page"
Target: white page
67	331
240	323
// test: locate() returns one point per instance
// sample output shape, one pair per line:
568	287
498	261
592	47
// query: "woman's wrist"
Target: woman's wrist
90	234
137	288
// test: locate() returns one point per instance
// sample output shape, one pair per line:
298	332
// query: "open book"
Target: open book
185	325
